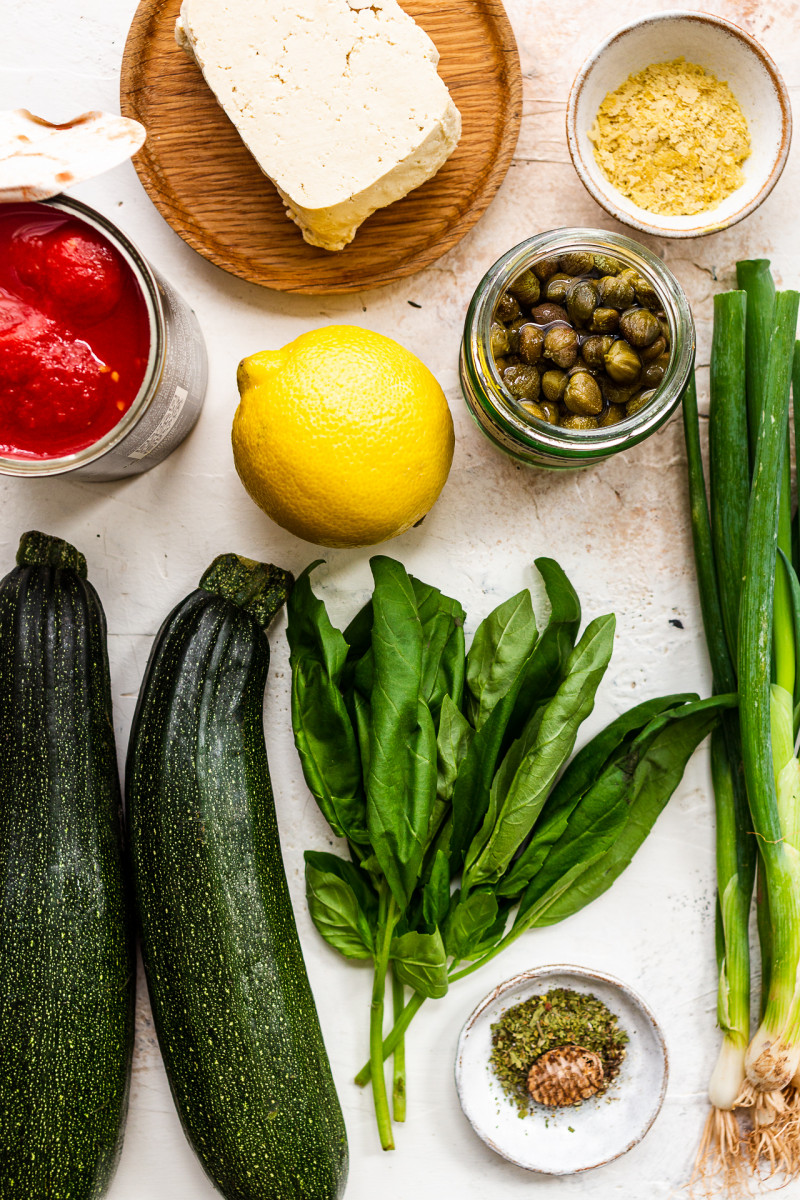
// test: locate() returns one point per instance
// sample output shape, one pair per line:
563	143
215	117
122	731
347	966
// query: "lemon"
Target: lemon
343	437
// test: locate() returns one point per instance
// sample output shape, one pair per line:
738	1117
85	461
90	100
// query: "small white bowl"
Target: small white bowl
567	1140
730	54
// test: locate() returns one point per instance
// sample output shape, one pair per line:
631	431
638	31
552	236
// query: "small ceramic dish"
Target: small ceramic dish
730	54
564	1141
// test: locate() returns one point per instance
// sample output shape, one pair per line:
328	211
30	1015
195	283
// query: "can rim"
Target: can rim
145	277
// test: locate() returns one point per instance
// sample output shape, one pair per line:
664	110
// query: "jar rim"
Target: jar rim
146	280
486	388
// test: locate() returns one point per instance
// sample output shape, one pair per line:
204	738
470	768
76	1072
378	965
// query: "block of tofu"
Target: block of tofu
338	101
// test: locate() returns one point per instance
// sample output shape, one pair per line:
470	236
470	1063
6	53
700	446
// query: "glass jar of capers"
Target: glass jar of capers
577	344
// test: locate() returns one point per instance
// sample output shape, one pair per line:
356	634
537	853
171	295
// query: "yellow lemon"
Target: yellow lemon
343	437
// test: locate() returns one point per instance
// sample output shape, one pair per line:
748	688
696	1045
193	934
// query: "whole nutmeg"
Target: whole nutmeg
567	1074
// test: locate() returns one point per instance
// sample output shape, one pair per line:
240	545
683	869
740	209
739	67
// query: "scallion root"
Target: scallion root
723	1157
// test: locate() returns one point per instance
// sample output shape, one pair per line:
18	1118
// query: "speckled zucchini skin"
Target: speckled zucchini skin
233	1009
66	948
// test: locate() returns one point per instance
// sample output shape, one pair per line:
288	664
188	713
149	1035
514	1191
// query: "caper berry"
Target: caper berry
551	411
498	339
531	341
607	265
622	362
639	327
595	348
508	308
547	313
522	381
613	415
652	374
582	301
646	294
615	292
638	401
534	410
654	350
525	288
554	384
561	345
577	262
557	287
543	268
583	395
576	421
604	320
615	393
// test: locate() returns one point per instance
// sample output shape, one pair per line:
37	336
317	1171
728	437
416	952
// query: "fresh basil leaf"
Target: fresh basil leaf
545	669
468	921
583	771
442	621
401	779
323	731
657	774
515	802
353	874
420	961
436	893
538	678
335	895
452	743
501	645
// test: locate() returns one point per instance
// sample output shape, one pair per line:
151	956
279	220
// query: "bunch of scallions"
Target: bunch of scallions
747	553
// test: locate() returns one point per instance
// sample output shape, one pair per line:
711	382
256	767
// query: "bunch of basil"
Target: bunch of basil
441	768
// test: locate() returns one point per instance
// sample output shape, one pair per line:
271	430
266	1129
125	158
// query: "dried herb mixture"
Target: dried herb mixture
559	1018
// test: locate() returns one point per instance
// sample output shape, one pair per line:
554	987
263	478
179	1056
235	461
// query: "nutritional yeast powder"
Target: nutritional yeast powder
672	139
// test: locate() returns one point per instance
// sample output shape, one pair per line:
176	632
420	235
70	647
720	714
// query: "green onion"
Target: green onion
718	555
766	716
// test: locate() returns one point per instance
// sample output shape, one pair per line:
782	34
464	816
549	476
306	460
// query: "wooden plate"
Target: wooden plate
204	182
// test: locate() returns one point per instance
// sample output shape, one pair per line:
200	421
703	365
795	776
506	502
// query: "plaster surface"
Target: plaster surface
620	530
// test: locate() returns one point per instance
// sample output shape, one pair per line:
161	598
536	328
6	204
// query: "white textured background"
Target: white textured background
620	530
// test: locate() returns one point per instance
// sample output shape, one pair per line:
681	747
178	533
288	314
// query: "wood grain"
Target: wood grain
204	182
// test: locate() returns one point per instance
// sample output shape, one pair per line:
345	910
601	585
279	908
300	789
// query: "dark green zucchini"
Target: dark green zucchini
67	962
232	1005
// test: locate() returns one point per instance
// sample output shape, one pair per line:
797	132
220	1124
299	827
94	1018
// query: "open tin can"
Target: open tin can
169	399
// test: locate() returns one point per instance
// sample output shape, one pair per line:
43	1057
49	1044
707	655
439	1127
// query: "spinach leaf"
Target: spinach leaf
584	770
323	730
436	893
547	666
595	862
502	643
401	777
469	920
442	621
520	790
420	960
343	907
540	673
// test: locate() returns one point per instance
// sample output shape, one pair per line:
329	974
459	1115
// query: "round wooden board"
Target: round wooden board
204	182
